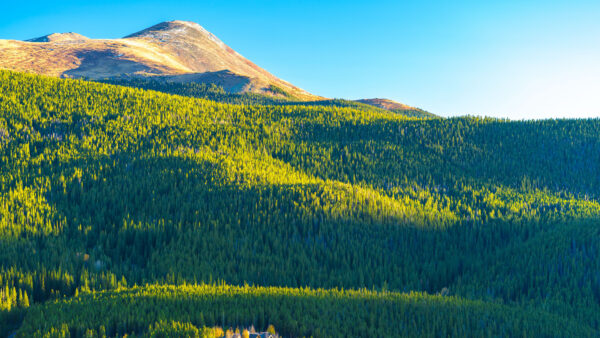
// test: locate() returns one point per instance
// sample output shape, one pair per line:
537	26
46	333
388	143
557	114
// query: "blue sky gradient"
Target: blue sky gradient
516	59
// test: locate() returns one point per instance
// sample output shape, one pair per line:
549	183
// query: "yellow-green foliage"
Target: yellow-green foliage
180	311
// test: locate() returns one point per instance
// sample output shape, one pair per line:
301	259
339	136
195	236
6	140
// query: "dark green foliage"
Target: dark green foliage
103	187
216	93
415	112
279	91
199	90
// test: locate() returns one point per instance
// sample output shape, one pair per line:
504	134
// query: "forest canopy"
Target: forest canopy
239	213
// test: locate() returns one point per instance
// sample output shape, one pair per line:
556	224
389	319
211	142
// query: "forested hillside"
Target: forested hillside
216	93
123	210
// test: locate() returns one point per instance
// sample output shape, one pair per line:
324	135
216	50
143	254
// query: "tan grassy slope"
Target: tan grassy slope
397	107
386	104
175	51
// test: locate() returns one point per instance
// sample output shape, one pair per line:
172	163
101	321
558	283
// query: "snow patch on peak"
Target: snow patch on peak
203	30
166	31
186	23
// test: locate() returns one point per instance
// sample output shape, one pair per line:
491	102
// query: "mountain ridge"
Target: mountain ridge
397	107
169	49
59	37
169	52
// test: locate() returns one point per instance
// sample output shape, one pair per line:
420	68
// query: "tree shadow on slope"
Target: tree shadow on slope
173	219
104	63
179	219
561	156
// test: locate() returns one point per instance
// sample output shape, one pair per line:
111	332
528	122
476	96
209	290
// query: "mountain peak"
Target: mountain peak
185	23
178	31
179	51
59	37
167	28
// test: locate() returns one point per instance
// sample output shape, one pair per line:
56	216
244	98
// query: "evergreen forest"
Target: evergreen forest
136	208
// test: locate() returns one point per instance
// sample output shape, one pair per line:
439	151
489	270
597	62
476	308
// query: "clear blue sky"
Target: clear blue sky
517	59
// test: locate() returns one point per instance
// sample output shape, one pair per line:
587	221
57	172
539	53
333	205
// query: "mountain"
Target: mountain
397	107
60	37
174	51
172	208
179	52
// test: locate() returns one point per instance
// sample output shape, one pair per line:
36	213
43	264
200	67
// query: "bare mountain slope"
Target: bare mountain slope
385	104
177	51
60	37
397	107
